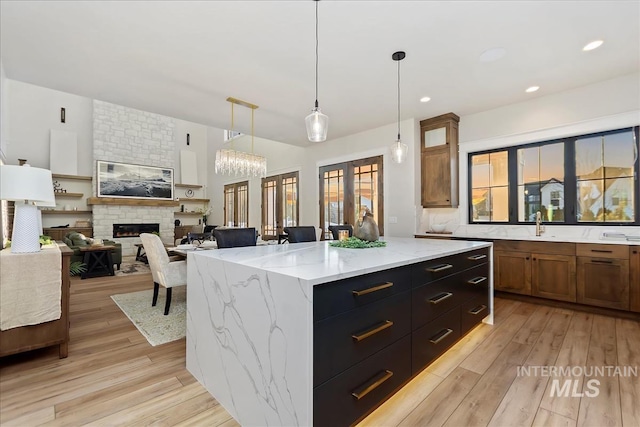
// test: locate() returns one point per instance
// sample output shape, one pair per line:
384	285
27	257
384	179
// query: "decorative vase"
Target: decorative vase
366	228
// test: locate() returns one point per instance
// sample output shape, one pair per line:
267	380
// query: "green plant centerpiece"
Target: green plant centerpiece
355	243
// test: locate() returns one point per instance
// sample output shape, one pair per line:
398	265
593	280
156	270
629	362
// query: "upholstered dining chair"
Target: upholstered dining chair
334	229
165	273
198	238
306	233
235	237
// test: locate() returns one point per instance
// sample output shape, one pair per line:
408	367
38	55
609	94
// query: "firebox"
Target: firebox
134	230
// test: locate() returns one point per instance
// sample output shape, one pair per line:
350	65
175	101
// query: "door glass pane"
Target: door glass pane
435	137
269	206
243	205
333	198
365	184
290	200
229	203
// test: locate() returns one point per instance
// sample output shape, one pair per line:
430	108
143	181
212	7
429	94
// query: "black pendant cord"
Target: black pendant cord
398	100
316	53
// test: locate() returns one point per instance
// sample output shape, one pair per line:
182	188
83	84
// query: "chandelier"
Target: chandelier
232	162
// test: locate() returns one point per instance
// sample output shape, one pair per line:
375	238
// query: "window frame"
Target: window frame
570	181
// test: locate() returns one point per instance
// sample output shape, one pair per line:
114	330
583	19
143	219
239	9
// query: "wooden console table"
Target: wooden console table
98	260
56	332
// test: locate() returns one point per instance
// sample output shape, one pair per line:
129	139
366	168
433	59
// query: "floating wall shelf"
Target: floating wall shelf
76	177
60	212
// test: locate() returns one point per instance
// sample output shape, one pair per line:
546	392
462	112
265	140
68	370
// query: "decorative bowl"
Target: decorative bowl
438	228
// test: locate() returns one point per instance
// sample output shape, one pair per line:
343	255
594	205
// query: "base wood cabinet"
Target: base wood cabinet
541	269
634	278
603	275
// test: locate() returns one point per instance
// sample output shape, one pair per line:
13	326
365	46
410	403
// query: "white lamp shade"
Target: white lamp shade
399	151
317	126
26	183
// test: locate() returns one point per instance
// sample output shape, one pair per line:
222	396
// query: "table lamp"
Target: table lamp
25	185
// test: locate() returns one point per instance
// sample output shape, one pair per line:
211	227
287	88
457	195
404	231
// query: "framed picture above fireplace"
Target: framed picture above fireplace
129	181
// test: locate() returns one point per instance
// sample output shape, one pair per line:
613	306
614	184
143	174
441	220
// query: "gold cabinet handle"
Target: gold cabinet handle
372	289
366	334
439	268
440	336
476	280
476	257
372	384
440	297
478	309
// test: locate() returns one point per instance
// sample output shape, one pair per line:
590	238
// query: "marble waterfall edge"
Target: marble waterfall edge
258	334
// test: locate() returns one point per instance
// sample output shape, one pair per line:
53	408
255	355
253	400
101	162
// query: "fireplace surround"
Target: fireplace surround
134	230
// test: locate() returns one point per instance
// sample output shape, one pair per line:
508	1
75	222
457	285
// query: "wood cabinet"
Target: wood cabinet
541	269
439	161
634	278
603	277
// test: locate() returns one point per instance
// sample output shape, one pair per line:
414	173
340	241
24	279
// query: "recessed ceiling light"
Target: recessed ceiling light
593	45
492	54
532	89
425	99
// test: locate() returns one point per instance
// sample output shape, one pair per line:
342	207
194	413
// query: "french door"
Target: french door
347	188
236	204
279	204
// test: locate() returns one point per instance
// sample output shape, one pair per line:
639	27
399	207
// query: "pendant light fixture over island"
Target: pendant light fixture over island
317	123
398	148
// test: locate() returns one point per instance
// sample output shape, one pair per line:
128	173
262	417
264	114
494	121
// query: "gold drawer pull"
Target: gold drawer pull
366	334
478	309
439	268
476	280
440	336
372	289
477	257
440	297
373	384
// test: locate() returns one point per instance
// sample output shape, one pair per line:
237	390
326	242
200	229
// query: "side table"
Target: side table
98	260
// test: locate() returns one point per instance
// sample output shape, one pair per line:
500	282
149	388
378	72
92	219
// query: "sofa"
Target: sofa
75	241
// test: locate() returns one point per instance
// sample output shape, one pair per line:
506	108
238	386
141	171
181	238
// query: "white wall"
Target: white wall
34	111
606	105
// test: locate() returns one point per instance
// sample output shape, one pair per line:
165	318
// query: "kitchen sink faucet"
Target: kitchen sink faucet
539	226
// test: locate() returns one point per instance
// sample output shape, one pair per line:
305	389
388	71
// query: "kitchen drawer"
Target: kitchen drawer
342	341
472	312
602	251
344	295
434	338
373	380
436	298
429	271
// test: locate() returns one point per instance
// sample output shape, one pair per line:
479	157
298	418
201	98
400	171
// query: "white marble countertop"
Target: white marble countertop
547	236
317	262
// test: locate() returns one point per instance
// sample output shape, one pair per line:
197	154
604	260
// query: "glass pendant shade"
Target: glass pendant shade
399	151
317	126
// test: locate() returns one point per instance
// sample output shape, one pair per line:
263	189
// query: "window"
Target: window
279	204
347	188
588	179
236	204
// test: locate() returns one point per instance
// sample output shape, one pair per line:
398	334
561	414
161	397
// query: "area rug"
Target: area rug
150	321
131	266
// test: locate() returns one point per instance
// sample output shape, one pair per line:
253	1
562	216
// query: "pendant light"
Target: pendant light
317	123
398	148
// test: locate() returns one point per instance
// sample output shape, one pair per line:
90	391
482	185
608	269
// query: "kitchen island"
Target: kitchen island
277	333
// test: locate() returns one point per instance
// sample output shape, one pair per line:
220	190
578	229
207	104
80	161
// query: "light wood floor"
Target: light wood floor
114	377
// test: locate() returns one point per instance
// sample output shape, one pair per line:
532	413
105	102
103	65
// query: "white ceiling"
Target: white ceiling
183	59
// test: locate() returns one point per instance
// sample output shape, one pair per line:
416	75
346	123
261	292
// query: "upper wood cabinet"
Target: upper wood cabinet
439	161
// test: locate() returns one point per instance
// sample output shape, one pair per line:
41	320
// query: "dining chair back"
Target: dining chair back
164	272
198	238
336	228
235	237
306	233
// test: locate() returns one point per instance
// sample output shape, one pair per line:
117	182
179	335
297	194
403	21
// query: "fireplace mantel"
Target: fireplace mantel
129	202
